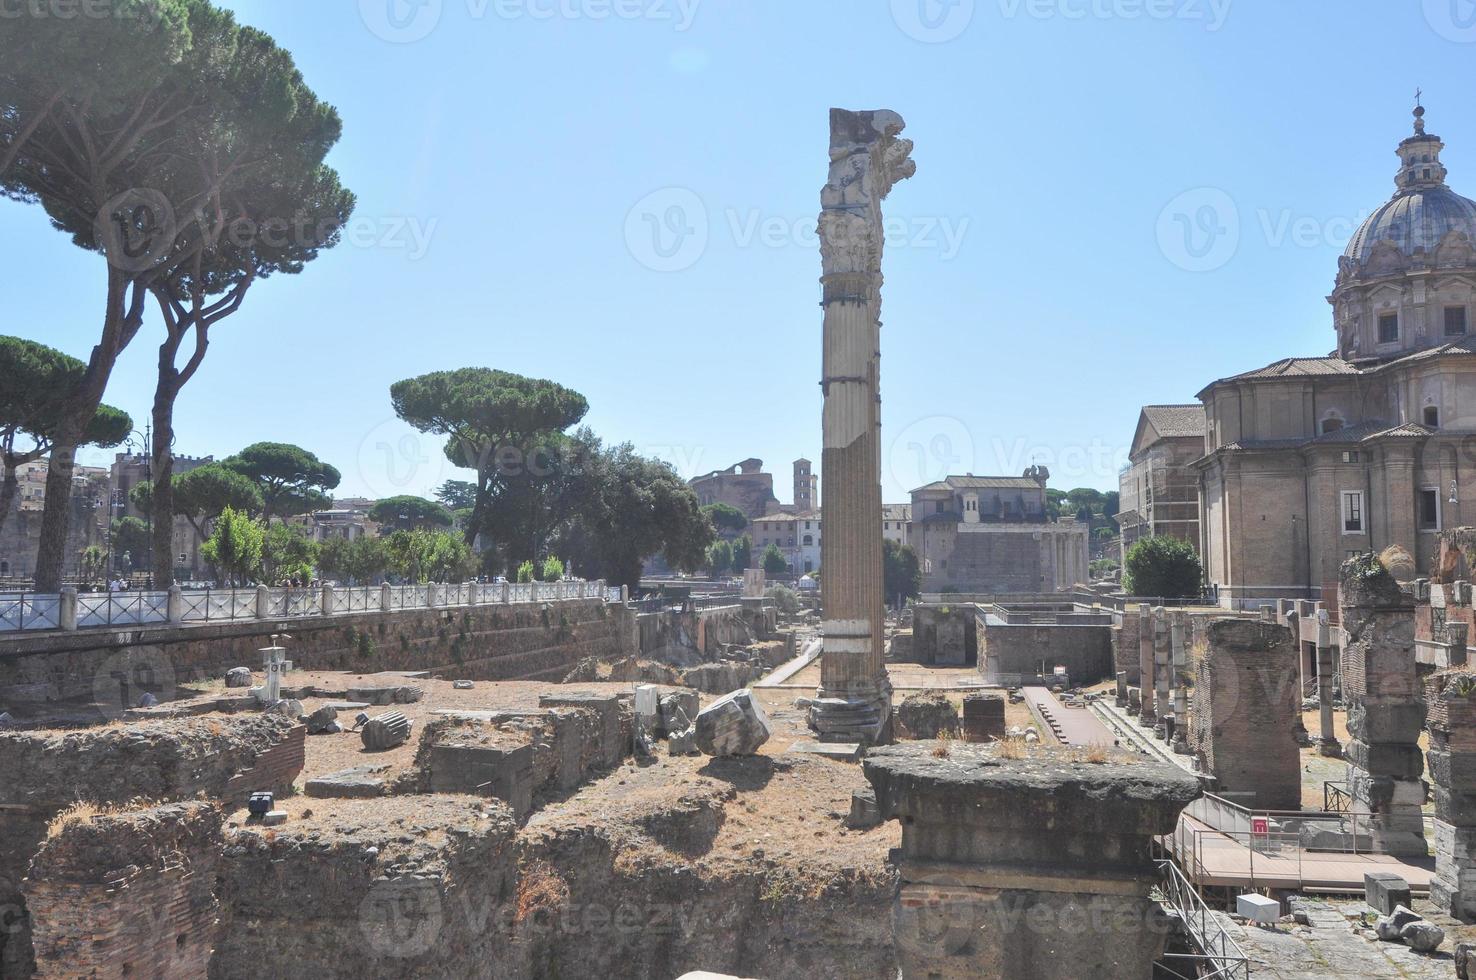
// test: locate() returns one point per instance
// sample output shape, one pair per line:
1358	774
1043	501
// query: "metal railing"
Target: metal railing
29	611
1335	796
69	610
1218	953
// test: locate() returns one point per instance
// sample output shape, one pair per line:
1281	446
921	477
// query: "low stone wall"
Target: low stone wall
527	641
43	773
945	634
129	894
1010	654
356	895
685	638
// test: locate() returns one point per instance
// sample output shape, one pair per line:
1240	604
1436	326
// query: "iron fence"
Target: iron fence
1219	956
122	608
29	611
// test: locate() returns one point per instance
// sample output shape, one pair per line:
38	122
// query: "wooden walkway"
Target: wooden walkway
1071	726
1212	858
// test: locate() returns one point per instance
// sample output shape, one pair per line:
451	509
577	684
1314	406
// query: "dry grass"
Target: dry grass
940	751
540	889
1013	748
84	811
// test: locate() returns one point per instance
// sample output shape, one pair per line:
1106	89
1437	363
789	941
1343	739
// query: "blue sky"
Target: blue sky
620	195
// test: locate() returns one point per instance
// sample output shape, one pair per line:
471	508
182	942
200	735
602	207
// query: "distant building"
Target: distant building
796	535
896	521
806	487
744	486
1159	490
20	539
993	534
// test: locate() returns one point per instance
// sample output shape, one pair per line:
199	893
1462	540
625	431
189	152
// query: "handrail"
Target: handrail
23	612
1216	947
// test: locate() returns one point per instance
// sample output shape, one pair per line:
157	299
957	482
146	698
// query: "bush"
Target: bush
774	562
785	598
553	569
1161	567
525	572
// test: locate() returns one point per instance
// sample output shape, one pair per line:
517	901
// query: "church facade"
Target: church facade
1313	459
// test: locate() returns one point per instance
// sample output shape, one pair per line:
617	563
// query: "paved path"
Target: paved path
1072	726
786	670
1329	947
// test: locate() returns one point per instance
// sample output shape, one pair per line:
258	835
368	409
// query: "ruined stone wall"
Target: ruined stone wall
128	894
944	633
1125	645
1009	653
527	641
42	773
1246	703
367	894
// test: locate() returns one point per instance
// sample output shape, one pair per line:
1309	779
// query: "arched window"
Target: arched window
1331	424
1432	416
809	540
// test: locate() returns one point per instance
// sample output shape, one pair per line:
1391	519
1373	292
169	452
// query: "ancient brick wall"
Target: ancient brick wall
127	895
41	773
527	641
1125	650
1009	653
1246	703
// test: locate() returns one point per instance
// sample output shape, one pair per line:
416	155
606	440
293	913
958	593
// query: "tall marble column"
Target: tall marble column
866	159
1146	666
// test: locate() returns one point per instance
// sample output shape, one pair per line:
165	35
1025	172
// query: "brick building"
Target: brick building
1158	492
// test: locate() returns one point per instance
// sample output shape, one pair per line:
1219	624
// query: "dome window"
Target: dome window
1332	424
1388	328
1455	321
1432	416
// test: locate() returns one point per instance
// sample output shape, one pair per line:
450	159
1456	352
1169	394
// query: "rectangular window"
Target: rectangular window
1455	321
1429	509
938	506
1352	512
1351	456
1388	328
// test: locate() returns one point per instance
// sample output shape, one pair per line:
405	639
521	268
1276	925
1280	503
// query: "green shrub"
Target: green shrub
1162	567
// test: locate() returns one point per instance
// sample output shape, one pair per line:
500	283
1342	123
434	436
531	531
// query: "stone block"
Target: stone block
864	814
647	707
502	771
614	722
1422	936
927	715
323	721
983	717
1375	723
274	818
732	725
841	751
678	710
238	677
1394	760
1258	908
1464	953
1384	891
357	782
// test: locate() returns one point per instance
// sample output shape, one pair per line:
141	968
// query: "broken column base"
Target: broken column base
1390	811
865	718
1330	747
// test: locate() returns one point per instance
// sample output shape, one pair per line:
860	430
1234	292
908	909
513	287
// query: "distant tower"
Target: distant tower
804	487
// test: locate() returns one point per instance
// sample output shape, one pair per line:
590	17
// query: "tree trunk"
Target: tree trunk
55	518
8	487
161	471
121	320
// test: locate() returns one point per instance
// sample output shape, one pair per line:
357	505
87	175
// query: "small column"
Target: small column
384	597
1146	713
66	609
1385	710
275	662
326	600
1163	671
1122	689
1451	699
533	590
1327	741
1026	867
430	596
174	604
263	602
625	595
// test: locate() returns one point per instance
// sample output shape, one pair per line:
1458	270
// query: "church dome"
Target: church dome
1414	220
1424	210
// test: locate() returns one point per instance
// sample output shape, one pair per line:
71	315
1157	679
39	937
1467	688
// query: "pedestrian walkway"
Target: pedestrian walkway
1071	726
